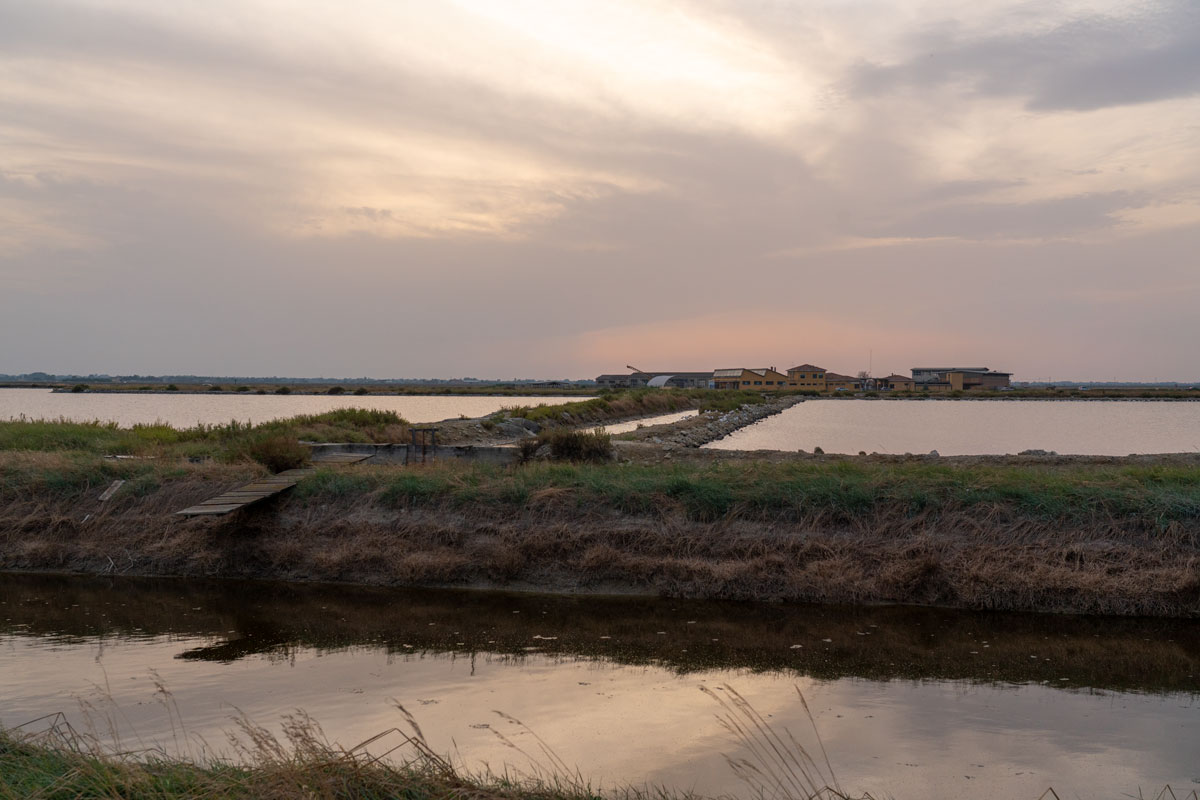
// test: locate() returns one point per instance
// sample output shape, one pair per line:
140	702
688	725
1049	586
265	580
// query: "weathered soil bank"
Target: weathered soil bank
987	557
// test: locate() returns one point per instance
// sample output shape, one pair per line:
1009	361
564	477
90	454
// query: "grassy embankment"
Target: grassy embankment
1120	538
306	768
230	443
629	403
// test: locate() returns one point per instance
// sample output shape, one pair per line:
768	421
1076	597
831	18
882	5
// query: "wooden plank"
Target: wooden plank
111	490
341	458
233	498
201	511
242	496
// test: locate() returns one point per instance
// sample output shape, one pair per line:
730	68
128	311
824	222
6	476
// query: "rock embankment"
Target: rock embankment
709	426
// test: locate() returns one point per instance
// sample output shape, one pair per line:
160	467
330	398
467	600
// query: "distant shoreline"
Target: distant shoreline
504	390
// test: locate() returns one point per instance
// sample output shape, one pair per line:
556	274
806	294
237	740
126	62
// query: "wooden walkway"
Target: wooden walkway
266	487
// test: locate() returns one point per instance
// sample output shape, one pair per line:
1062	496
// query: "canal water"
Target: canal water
976	427
187	410
909	702
661	419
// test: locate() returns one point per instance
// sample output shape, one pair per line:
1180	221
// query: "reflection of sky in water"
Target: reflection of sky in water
662	419
186	410
1093	427
630	723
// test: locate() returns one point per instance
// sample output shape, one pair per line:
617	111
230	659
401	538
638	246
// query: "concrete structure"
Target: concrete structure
807	376
674	380
743	378
959	378
371	453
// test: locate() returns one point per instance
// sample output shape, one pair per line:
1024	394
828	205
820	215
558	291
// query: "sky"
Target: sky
561	188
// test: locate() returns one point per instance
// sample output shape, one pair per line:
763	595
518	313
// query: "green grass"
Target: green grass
1153	496
309	770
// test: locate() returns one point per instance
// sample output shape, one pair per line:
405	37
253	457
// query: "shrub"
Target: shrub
243	388
80	387
361	390
526	448
172	387
261	391
215	388
576	445
278	453
335	390
283	390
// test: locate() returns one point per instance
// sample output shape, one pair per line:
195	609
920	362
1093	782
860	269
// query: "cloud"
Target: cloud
518	188
1089	62
1059	217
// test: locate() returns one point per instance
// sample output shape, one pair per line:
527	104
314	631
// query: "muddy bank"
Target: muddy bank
351	529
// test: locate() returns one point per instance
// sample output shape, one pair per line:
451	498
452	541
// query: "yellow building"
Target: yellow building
842	383
742	378
806	376
897	383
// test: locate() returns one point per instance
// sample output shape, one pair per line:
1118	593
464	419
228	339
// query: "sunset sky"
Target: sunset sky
519	188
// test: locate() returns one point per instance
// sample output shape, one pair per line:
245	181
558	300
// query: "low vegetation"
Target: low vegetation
302	764
229	442
1088	538
1107	536
633	403
566	444
277	452
305	766
1150	498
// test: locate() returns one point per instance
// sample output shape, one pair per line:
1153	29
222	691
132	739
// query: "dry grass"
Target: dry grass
60	762
719	535
57	761
50	758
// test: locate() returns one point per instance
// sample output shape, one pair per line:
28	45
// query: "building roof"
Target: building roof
806	368
981	372
950	369
739	371
833	376
895	377
679	374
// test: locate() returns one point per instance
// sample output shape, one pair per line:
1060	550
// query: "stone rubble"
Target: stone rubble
713	425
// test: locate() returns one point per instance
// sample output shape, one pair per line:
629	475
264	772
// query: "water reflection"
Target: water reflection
878	643
1088	427
911	702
